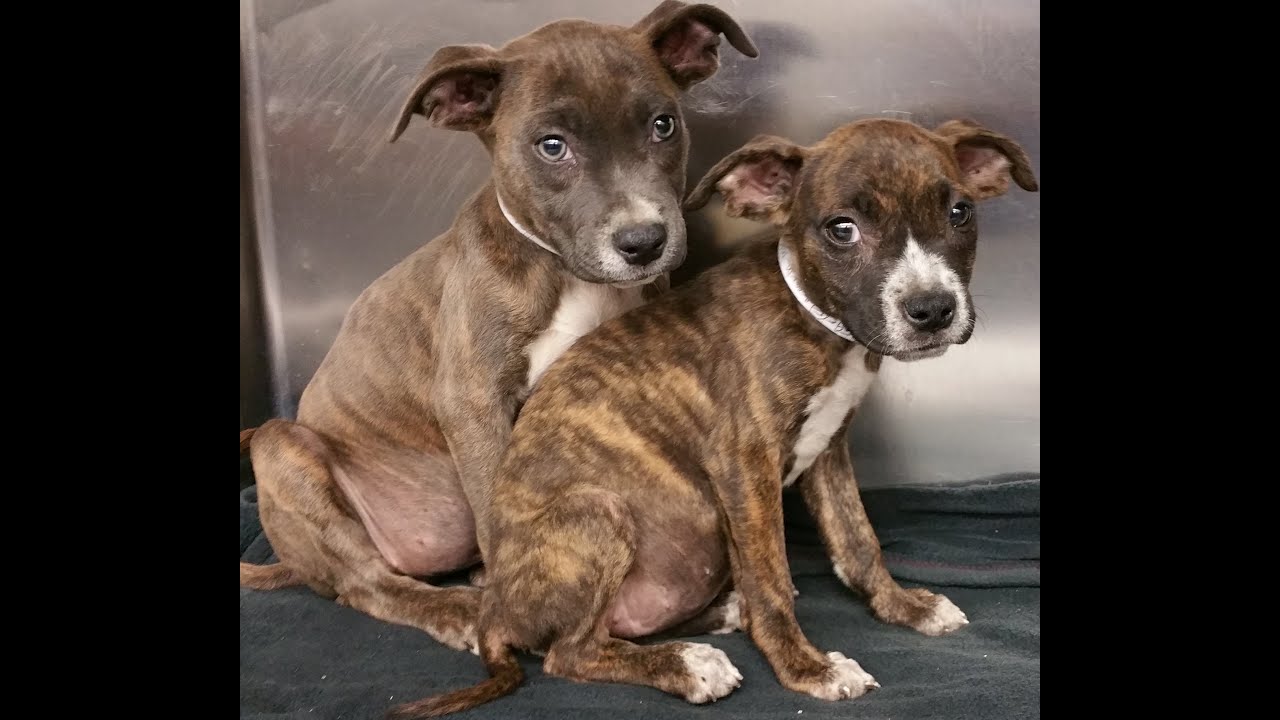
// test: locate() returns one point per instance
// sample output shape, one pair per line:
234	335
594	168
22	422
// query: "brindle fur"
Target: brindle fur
654	453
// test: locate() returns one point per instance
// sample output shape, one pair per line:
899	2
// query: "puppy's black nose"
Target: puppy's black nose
641	244
930	312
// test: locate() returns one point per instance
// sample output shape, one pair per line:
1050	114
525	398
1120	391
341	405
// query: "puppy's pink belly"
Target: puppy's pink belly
667	591
415	514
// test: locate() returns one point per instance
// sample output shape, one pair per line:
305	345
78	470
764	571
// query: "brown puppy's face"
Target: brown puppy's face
584	125
882	220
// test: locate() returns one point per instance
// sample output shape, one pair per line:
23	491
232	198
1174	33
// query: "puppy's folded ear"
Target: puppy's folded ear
687	39
987	159
757	181
457	90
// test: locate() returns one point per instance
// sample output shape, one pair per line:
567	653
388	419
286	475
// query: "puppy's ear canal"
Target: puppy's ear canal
457	90
687	39
757	182
987	159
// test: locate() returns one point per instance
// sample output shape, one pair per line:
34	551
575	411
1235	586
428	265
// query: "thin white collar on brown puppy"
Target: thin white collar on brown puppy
788	274
520	228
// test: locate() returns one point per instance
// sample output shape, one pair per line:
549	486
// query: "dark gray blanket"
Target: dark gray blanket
979	544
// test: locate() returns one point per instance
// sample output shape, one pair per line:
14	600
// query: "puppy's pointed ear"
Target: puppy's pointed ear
987	159
457	90
757	181
687	39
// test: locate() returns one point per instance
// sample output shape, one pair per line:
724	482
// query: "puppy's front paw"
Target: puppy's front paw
711	674
919	610
943	617
845	680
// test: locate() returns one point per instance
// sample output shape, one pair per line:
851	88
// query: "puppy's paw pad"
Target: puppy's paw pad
732	614
944	618
847	680
712	674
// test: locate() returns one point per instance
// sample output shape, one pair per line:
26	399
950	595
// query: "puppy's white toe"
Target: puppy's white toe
945	618
732	614
712	674
847	680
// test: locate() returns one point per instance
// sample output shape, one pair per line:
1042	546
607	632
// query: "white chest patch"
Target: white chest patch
827	409
583	306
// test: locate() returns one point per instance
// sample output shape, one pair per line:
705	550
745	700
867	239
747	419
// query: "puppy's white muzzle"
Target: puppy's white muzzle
925	305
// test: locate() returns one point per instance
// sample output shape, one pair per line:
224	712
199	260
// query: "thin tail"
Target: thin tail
267	577
505	676
245	437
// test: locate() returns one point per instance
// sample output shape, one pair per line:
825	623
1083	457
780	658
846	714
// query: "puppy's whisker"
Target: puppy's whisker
980	316
876	338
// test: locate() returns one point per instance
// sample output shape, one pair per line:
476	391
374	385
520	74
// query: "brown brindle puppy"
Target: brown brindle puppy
648	470
386	474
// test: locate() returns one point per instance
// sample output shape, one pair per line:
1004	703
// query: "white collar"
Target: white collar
788	274
520	228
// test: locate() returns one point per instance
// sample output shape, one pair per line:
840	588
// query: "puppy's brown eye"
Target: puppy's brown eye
664	126
553	148
843	231
961	213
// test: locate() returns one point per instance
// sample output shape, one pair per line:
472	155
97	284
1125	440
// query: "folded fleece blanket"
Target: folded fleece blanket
302	656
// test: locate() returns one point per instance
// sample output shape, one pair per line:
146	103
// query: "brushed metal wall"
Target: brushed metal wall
332	205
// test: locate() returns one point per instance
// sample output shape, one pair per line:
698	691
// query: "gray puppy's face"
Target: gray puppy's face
593	162
584	125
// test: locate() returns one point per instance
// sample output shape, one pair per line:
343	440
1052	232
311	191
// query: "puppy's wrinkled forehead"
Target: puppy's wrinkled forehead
571	69
885	170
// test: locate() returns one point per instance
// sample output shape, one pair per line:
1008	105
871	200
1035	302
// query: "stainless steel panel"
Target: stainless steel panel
255	401
335	205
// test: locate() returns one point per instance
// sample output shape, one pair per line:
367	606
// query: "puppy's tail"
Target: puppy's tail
505	677
263	577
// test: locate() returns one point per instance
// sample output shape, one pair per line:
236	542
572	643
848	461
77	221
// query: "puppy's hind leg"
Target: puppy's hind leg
322	542
263	577
592	547
267	577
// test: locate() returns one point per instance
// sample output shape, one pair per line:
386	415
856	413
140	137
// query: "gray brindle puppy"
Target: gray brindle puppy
386	475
